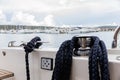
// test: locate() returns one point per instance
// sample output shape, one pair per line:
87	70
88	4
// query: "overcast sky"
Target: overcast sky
60	12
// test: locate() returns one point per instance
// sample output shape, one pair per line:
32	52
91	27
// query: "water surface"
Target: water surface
54	40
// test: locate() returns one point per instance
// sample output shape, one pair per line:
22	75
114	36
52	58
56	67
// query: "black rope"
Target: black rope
61	71
27	66
97	60
29	48
63	60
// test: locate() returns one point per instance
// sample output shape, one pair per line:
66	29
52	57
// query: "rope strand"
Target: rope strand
27	66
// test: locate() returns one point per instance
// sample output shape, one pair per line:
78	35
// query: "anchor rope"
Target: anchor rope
98	60
28	49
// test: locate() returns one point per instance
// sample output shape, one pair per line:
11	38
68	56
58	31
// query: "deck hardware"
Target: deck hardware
22	43
84	43
84	52
11	43
115	37
118	58
4	53
46	63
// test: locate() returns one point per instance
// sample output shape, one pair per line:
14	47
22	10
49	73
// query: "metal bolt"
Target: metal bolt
4	53
118	58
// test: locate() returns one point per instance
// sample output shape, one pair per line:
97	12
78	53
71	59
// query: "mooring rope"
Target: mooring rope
29	48
98	61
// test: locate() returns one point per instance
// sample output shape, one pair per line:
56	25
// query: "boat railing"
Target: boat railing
12	44
115	37
21	44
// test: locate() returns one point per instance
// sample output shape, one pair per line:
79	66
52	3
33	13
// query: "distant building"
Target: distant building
19	27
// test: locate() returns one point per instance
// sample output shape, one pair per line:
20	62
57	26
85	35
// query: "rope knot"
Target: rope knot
32	44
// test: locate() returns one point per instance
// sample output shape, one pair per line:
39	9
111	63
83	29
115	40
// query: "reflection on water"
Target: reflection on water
54	39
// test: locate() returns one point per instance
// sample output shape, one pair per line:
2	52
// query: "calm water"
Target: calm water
54	39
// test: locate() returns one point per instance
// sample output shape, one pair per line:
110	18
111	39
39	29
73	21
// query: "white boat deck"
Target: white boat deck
13	59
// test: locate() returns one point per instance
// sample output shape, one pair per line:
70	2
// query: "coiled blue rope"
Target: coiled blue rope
29	48
97	58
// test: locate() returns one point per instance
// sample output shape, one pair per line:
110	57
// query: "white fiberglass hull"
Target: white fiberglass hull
14	61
